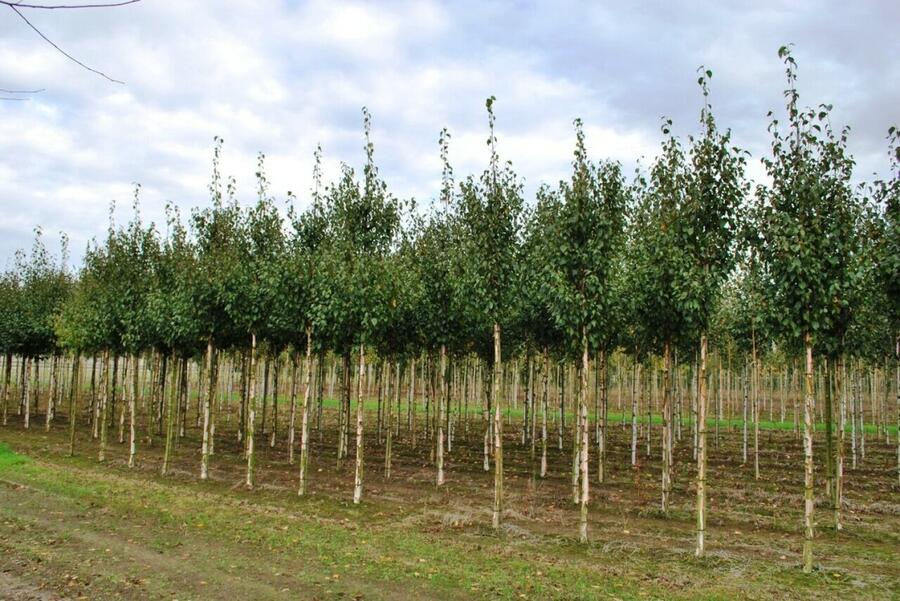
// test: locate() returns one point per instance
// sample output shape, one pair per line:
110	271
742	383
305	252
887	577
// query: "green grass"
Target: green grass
396	545
8	459
518	412
613	418
331	537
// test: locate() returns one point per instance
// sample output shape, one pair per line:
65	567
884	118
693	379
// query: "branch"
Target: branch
66	6
3	91
63	52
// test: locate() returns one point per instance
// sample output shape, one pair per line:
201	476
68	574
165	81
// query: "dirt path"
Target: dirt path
14	588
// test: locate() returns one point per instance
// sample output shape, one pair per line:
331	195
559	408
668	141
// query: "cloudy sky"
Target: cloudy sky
280	76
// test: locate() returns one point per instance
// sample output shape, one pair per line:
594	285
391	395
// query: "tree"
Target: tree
252	298
800	244
883	289
658	261
10	314
706	228
89	320
301	289
365	225
588	235
37	293
439	258
175	330
134	252
218	231
538	294
491	213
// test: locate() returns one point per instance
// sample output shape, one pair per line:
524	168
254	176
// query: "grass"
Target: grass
333	540
614	418
102	531
8	459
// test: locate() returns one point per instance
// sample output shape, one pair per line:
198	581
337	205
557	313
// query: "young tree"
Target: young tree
10	315
218	232
706	228
442	318
491	214
656	264
801	243
252	297
175	331
301	289
887	266
44	287
538	294
89	319
136	253
589	232
365	225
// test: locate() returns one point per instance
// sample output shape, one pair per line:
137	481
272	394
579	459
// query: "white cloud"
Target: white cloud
278	77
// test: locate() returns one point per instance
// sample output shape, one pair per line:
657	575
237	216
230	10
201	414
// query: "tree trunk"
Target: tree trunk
862	423
360	414
207	405
161	393
829	431
132	407
242	408
498	433
809	500
410	405
636	391
320	390
304	415
755	385
576	433
7	374
378	370
601	418
897	393
275	381
251	409
102	403
652	386
51	397
561	423
585	442
388	443
837	377
292	417
897	398
169	409
486	418
746	424
701	450
442	404
21	389
76	362
263	429
26	392
545	398
666	430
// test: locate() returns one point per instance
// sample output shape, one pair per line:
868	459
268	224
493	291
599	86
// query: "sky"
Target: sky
279	77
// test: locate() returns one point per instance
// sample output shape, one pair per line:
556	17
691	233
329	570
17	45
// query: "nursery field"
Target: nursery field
72	528
681	384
